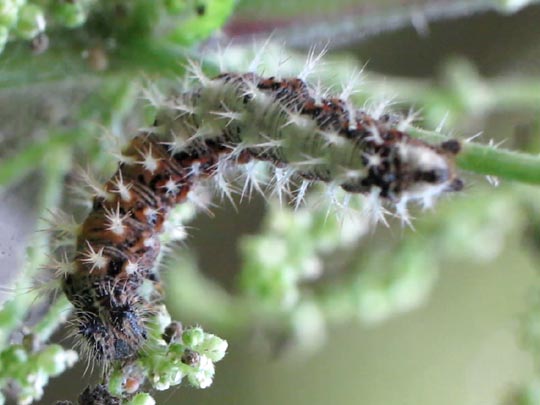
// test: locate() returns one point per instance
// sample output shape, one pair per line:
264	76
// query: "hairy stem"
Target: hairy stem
138	55
489	160
12	313
19	165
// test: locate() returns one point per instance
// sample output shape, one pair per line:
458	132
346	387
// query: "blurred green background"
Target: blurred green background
453	330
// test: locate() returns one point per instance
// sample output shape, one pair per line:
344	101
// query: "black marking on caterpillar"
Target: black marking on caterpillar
233	119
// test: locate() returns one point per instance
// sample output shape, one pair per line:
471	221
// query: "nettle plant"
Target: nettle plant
159	130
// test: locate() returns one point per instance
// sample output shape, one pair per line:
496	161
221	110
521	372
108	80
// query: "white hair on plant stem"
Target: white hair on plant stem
442	123
472	138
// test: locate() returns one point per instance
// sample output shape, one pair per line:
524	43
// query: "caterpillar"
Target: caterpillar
231	120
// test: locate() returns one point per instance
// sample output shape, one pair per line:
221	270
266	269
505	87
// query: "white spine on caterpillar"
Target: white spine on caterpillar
309	137
231	121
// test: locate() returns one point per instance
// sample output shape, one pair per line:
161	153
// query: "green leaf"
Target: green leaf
210	16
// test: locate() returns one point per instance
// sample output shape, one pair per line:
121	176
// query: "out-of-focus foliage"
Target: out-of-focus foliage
83	63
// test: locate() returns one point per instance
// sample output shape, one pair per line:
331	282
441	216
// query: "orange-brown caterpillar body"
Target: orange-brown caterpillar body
118	246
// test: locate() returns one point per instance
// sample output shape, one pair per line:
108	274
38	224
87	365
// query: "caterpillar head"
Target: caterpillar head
110	321
408	169
423	171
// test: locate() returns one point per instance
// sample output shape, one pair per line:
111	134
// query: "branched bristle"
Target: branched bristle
236	134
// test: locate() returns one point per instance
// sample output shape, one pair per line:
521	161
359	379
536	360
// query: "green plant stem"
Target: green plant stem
22	68
55	316
504	94
491	161
19	165
12	313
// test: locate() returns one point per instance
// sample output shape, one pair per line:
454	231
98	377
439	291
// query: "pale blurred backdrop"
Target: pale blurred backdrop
463	344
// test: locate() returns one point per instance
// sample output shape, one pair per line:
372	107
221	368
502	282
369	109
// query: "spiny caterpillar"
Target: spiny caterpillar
231	121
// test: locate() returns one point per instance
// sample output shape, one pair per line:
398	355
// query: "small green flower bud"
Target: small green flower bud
193	337
70	15
12	358
116	381
141	399
9	9
33	387
176	377
160	383
214	347
54	359
166	379
203	375
31	21
176	350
